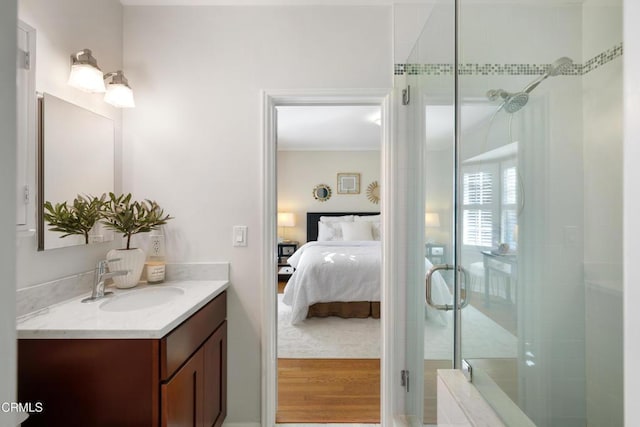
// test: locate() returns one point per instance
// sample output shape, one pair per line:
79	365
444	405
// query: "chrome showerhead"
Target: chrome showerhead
512	101
515	101
560	66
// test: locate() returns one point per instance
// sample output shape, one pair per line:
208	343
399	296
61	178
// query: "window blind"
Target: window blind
477	212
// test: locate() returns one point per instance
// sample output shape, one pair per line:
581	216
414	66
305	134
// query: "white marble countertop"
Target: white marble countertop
73	319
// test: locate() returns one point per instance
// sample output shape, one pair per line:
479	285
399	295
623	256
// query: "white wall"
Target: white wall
631	208
8	13
64	27
300	171
194	141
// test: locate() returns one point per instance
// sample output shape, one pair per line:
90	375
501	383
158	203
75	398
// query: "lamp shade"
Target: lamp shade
286	219
85	73
119	93
86	77
431	219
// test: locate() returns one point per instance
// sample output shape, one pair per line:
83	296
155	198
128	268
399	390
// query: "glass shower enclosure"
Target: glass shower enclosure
519	136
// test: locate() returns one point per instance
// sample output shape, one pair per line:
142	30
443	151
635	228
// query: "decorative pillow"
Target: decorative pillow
356	230
329	232
330	219
375	230
372	218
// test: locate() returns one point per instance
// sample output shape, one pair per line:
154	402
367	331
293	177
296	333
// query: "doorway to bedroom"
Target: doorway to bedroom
328	165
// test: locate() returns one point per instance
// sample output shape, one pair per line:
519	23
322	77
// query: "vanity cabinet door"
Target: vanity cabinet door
215	377
182	395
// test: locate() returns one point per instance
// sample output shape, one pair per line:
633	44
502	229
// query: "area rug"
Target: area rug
333	337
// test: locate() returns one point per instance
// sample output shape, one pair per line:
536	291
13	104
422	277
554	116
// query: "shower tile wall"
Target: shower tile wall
602	121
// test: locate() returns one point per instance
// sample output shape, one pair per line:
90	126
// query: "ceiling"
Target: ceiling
329	128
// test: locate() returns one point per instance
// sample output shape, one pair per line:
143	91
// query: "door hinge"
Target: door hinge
24	59
26	195
467	371
406	95
404	379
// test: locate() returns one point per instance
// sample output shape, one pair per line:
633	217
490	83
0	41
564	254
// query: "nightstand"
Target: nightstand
435	252
285	250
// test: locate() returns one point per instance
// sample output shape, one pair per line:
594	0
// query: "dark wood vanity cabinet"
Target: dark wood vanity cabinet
193	369
178	380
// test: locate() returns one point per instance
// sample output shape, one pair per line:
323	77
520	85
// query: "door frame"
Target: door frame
390	360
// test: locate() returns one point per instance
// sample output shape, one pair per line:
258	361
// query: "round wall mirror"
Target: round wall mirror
322	192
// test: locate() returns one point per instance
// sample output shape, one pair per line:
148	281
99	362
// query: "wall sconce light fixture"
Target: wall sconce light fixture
87	76
85	73
119	93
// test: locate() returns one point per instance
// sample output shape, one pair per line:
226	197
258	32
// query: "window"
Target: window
477	208
509	209
490	204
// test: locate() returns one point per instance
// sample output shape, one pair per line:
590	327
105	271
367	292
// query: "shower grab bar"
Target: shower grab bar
446	307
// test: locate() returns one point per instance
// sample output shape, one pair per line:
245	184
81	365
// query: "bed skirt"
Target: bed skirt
346	310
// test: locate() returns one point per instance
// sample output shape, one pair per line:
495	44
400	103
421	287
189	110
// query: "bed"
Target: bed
333	276
342	276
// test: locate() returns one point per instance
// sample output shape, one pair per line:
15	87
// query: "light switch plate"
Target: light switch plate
239	235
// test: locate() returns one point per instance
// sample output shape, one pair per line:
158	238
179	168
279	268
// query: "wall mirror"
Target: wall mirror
75	156
322	192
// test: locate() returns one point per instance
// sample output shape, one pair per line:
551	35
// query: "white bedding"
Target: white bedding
345	271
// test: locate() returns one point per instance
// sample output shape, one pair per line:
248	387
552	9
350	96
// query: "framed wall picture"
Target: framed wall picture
348	183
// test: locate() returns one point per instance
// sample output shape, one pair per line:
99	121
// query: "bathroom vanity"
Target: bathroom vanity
112	363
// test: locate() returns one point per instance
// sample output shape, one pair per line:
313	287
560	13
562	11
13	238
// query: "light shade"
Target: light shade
286	219
119	94
431	219
85	74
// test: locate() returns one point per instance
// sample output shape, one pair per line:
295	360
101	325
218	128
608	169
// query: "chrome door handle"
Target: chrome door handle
443	307
446	307
467	295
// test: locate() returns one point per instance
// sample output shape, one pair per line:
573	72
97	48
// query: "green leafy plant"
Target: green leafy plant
76	219
132	217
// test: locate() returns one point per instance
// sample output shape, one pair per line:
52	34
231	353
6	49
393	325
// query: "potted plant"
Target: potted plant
129	217
77	219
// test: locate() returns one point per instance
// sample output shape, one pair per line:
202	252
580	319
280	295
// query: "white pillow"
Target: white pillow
329	232
329	219
356	230
372	218
375	230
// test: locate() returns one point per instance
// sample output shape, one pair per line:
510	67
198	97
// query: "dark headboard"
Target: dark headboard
314	217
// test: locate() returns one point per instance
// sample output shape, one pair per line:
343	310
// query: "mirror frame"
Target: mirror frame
317	190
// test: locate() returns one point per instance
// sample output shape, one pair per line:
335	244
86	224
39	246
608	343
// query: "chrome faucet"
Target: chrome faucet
100	276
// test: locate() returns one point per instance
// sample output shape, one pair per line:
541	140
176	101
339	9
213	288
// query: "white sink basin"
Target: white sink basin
141	299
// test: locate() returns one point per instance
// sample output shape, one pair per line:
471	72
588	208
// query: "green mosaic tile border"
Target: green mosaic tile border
507	69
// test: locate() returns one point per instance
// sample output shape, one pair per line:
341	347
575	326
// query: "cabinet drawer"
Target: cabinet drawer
182	342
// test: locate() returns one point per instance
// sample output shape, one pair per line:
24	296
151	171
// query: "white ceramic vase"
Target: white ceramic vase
128	259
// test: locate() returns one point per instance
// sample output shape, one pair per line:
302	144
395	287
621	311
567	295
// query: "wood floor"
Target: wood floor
328	391
348	390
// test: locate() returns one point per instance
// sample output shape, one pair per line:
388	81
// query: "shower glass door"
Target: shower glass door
429	162
539	208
